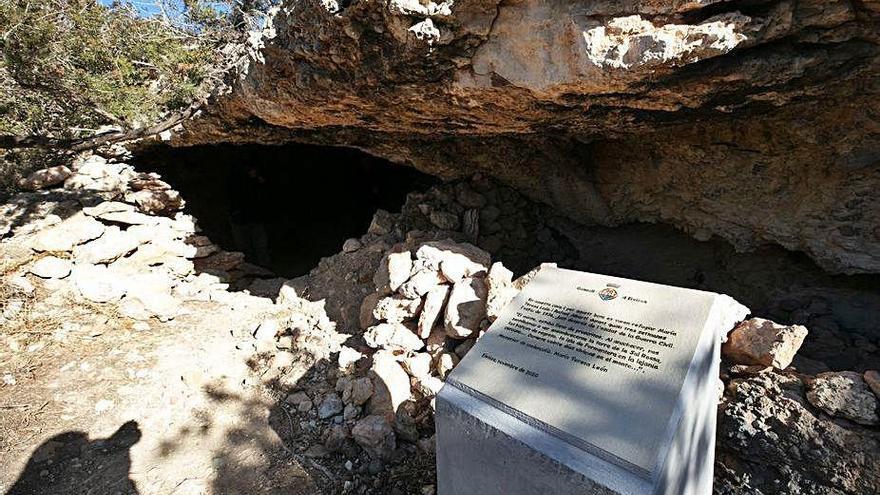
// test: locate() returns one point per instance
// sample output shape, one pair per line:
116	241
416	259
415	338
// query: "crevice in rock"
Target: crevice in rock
306	200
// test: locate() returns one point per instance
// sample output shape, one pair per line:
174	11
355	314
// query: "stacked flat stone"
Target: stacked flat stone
124	241
430	306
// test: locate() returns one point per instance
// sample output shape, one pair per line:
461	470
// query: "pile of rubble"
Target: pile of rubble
419	288
430	306
432	300
429	300
116	236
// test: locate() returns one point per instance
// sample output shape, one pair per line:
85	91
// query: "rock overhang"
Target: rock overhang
746	120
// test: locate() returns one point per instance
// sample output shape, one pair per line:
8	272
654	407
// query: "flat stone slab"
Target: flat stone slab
621	371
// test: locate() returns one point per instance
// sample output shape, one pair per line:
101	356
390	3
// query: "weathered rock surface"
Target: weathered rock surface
356	391
330	406
110	246
397	308
771	441
394	271
432	309
872	378
501	290
760	341
391	385
71	232
96	283
592	108
844	394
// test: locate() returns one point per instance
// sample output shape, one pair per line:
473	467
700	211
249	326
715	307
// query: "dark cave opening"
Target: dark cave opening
305	200
309	199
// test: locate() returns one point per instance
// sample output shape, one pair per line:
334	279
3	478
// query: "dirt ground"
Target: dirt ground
101	408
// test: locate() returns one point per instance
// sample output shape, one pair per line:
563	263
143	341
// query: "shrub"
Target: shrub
68	68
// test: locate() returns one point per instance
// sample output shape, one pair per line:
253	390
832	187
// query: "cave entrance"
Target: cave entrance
306	200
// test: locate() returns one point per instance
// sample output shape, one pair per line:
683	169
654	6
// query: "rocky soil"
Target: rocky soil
139	357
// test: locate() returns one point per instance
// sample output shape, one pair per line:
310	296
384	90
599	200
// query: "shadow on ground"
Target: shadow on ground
58	464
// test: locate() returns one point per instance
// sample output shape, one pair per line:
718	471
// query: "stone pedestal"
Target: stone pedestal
587	384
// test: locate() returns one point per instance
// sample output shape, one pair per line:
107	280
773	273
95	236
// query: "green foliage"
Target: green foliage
69	66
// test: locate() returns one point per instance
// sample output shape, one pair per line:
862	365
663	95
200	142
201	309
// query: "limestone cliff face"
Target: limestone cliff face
753	120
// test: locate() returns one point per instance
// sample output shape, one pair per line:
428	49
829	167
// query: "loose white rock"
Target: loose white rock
418	365
462	259
501	290
445	362
397	308
348	357
521	282
132	307
154	290
420	283
427	386
431	309
391	385
97	284
392	336
51	267
73	231
394	270
113	244
466	308
107	207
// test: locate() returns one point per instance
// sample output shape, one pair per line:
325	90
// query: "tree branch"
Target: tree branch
90	143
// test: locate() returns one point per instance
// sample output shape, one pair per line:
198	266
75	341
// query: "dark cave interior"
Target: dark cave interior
306	199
